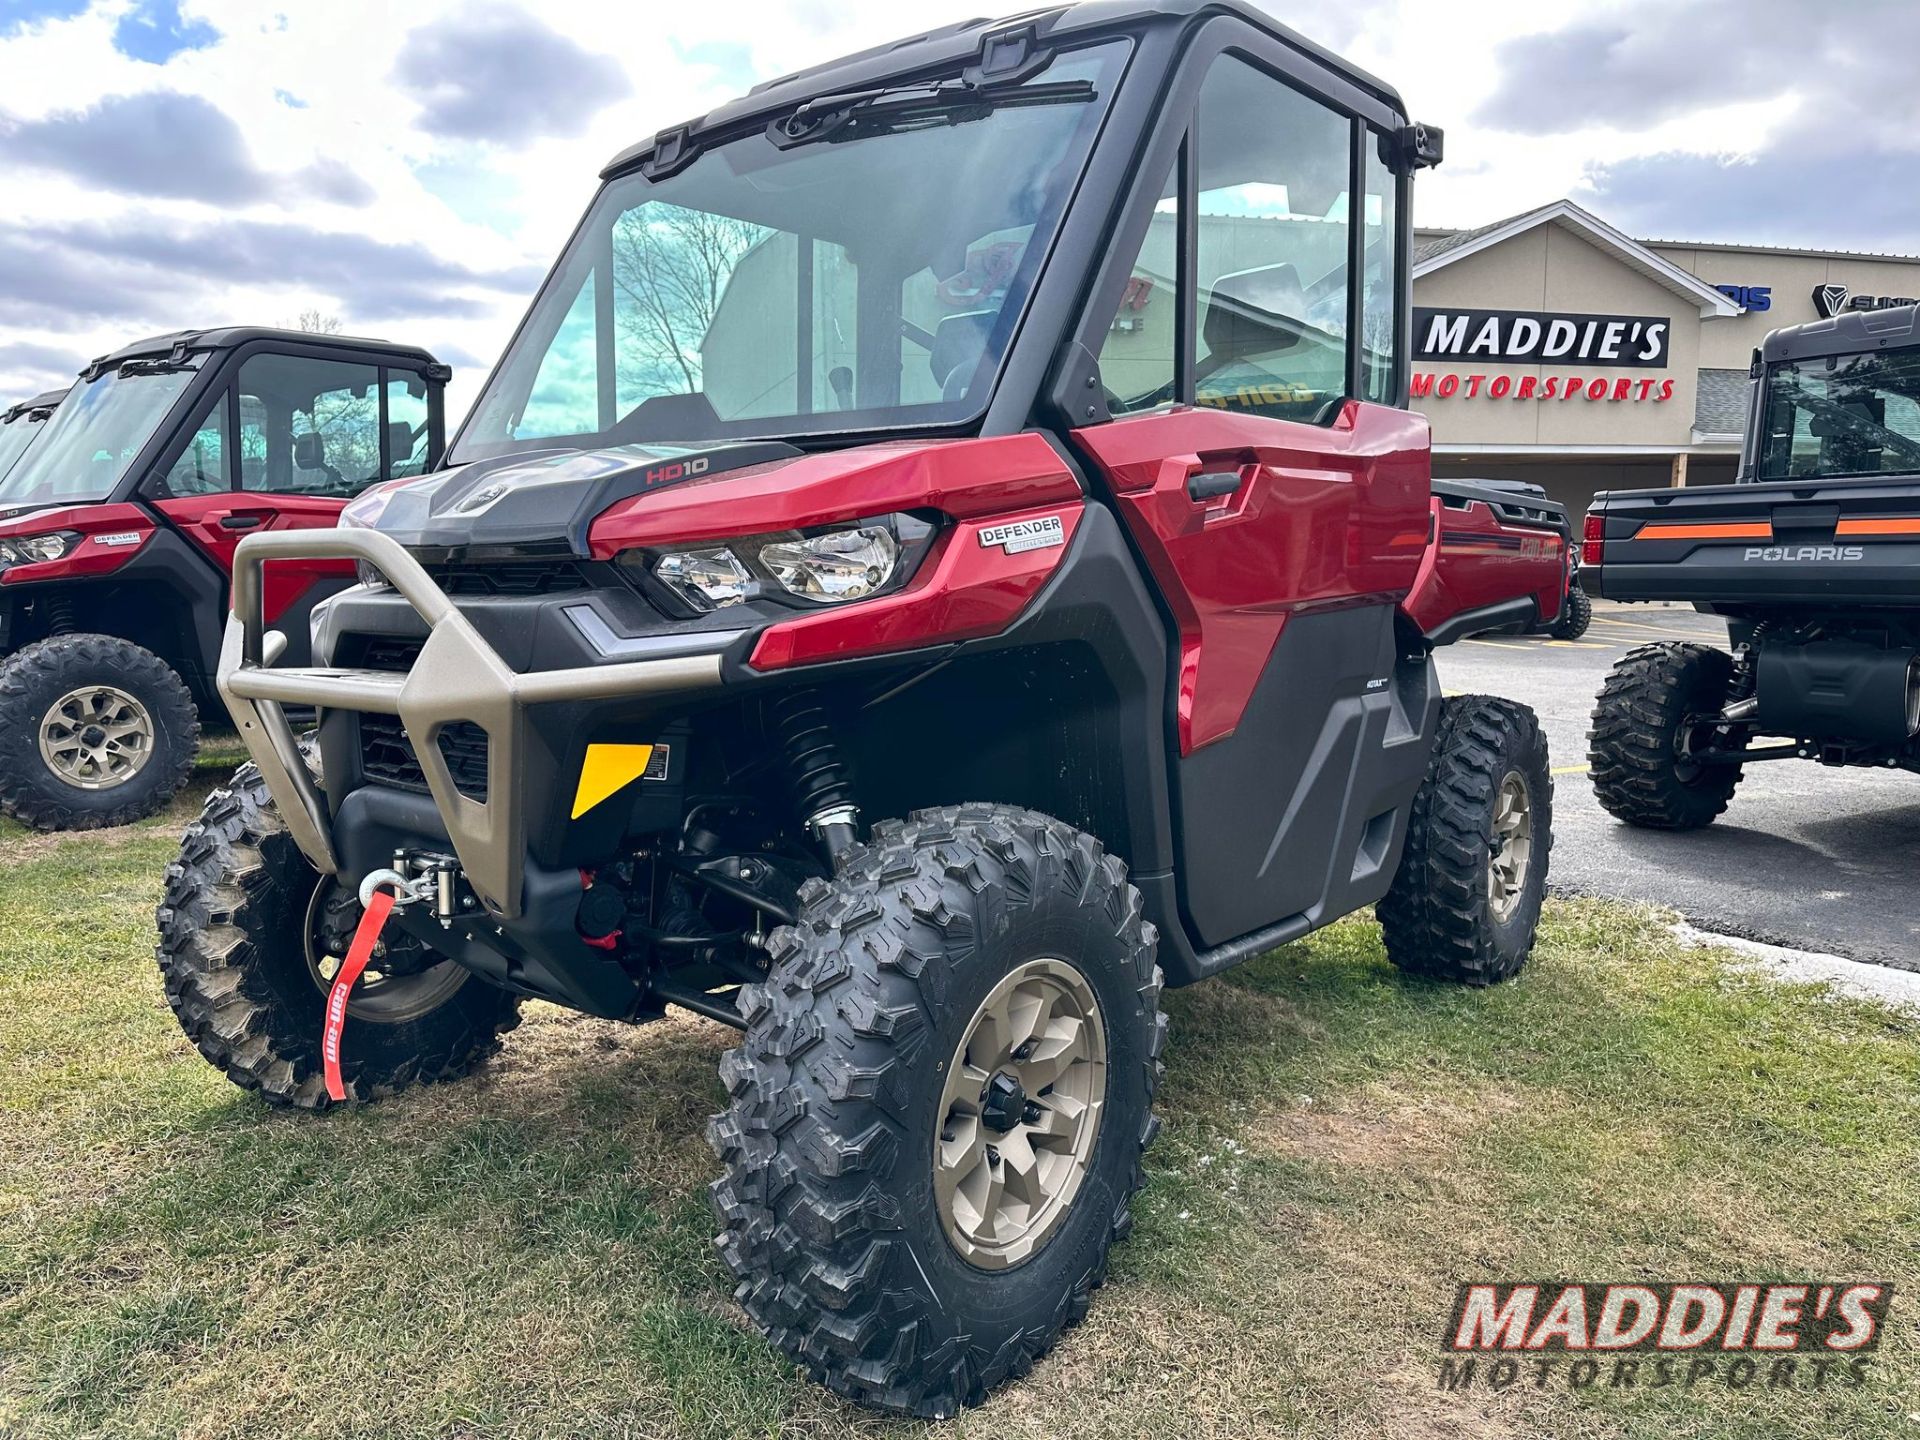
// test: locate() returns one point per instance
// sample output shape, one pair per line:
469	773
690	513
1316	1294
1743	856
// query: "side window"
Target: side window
1272	237
1137	354
309	427
408	437
202	466
1379	303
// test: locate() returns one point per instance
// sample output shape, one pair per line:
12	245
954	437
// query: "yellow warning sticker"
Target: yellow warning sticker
607	770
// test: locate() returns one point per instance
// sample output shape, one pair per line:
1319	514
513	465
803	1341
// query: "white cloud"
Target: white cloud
316	94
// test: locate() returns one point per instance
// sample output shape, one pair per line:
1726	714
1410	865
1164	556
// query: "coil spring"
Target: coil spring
58	610
819	778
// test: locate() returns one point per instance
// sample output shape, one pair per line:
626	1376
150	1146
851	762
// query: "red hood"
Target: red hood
959	478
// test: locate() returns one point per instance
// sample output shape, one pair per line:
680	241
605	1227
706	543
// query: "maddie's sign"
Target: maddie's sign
1529	337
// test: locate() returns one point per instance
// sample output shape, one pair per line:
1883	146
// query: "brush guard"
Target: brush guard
457	678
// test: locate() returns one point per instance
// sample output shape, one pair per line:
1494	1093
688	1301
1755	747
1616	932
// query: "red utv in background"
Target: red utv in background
1505	561
117	532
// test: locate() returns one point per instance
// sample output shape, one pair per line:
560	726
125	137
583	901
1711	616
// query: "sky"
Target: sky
412	169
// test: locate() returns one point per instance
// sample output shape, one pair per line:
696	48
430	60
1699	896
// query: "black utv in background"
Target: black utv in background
1814	560
117	532
22	424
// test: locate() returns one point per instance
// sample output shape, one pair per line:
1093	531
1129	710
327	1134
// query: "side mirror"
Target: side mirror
1420	147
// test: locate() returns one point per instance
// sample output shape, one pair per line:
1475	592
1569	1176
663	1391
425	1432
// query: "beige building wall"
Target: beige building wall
1729	344
1549	268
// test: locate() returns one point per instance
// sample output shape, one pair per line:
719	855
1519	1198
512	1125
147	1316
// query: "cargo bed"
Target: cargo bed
1753	546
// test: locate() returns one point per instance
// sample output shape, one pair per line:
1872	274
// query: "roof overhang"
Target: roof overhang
1596	232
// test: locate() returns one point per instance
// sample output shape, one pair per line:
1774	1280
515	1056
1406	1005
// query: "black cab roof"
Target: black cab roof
954	44
46	400
1848	333
192	342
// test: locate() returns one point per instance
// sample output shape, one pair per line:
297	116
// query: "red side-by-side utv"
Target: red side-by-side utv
118	526
944	556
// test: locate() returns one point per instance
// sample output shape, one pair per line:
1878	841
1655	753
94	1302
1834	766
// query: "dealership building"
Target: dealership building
1551	347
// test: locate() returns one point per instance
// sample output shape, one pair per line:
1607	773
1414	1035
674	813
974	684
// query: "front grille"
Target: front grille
387	756
389	652
508	577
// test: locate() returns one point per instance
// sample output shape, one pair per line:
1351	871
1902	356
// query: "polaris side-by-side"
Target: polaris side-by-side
938	561
117	533
1813	558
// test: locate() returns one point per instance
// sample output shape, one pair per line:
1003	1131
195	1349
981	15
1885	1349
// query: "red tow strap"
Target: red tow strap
358	953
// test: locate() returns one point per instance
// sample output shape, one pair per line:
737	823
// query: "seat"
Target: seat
1253	312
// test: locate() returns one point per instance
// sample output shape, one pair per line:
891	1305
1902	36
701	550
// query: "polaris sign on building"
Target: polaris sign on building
1553	348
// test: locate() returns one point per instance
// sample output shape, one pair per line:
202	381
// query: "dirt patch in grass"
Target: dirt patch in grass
1380	1126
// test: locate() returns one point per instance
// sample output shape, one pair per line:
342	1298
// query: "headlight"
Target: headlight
706	579
36	549
827	567
364	513
840	565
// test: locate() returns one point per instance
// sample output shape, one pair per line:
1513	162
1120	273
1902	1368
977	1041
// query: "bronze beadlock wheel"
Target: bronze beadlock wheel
1511	851
936	1117
96	737
1020	1114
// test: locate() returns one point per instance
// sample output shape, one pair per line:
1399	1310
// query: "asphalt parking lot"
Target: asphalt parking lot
1805	856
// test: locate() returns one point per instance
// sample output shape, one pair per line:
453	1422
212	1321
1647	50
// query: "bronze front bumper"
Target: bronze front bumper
457	678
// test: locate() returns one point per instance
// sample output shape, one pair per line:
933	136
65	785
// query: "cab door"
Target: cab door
1278	498
284	446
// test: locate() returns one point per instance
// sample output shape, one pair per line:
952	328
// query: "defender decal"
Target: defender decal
1016	537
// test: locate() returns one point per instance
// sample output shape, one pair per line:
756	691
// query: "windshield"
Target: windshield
15	436
1842	415
868	276
93	437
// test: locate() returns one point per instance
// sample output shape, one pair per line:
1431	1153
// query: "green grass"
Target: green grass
527	1253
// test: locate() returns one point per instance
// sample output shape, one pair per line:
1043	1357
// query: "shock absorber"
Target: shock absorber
58	610
822	787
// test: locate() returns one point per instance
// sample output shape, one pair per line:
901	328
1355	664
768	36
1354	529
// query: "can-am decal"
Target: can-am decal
1804	554
1018	536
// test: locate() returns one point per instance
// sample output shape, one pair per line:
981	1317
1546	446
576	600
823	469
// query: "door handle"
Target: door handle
1212	484
241	520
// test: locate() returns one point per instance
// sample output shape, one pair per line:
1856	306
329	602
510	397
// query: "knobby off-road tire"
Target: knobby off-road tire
1638	772
1576	614
145	703
234	961
1460	908
832	1225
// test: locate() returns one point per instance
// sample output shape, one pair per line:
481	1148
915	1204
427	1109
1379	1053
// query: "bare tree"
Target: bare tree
318	322
672	266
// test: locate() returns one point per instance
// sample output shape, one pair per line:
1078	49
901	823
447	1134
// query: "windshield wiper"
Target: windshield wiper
856	113
152	367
